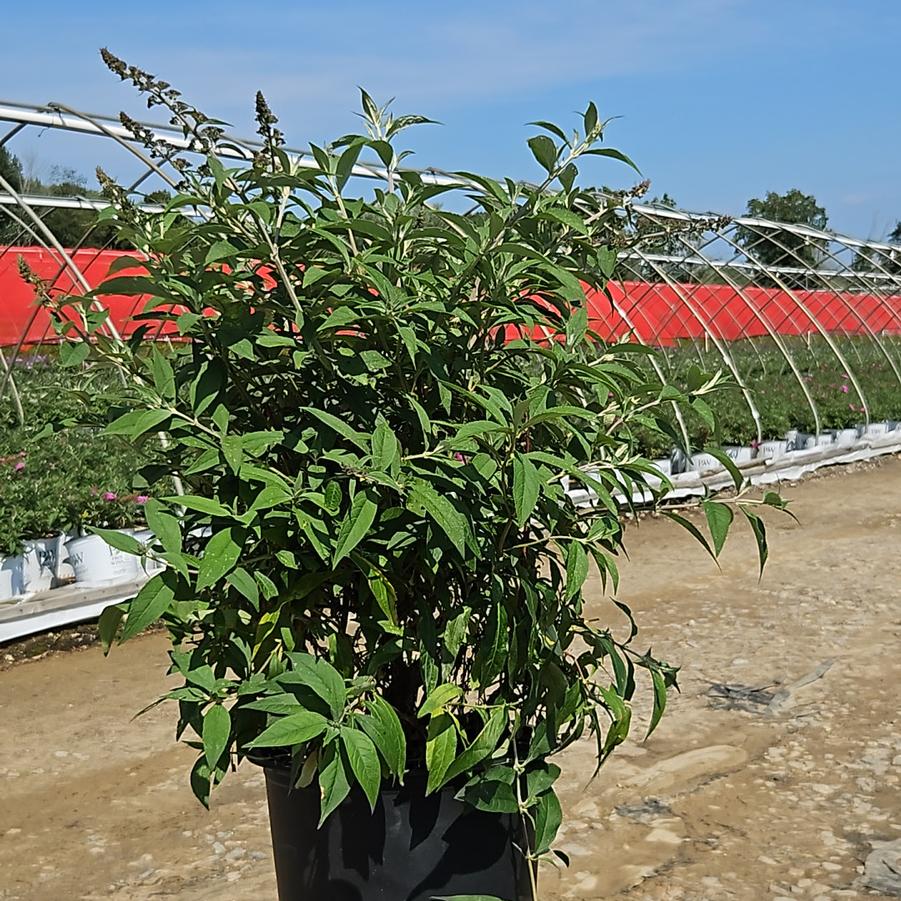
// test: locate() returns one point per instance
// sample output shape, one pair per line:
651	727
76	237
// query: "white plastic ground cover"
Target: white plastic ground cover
771	462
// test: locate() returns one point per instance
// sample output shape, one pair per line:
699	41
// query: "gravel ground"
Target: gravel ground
774	775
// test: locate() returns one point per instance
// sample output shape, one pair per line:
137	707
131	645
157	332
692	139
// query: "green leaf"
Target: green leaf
320	677
200	504
334	780
284	704
576	568
216	732
151	602
692	529
122	541
659	699
355	525
163	376
137	422
364	762
492	650
220	556
422	497
719	519
164	525
737	478
291	730
384	447
440	749
340	427
384	728
484	744
544	150
244	582
439	698
548	816
758	527
526	488
108	624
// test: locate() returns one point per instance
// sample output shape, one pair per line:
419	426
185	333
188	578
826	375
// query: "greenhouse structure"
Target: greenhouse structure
804	323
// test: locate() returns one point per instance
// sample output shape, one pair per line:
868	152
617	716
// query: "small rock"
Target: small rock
235	854
218	848
882	868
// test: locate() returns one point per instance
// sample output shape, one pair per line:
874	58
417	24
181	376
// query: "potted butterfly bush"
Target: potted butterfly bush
374	578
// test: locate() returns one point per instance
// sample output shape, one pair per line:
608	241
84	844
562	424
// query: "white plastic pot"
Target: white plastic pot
32	571
151	567
11	577
739	454
705	463
876	430
797	440
665	467
846	437
772	450
96	563
826	439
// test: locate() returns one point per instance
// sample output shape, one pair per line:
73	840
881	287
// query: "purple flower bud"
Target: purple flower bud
110	496
19	466
141	499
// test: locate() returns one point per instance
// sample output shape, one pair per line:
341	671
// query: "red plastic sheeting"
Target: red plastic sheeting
654	313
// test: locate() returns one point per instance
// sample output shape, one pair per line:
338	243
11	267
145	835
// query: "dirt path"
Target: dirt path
782	793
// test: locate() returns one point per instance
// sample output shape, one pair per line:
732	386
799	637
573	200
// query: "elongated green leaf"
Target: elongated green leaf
216	732
737	478
320	677
384	447
164	526
440	749
659	699
137	422
692	529
526	488
576	568
548	816
244	582
220	556
719	519
200	504
355	526
334	780
294	729
759	529
364	762
151	602
284	704
544	151
108	624
482	746
120	540
340	427
383	726
439	697
492	651
423	498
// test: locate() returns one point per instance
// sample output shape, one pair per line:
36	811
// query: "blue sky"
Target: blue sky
720	100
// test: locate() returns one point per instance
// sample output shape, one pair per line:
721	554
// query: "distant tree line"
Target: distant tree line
72	227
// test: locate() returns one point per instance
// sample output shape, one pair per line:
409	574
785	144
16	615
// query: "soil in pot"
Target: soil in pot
412	848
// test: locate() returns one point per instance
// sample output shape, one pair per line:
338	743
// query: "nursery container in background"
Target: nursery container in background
846	437
705	463
875	430
739	454
97	563
772	450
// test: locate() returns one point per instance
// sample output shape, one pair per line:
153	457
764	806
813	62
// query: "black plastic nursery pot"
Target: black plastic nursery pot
411	848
